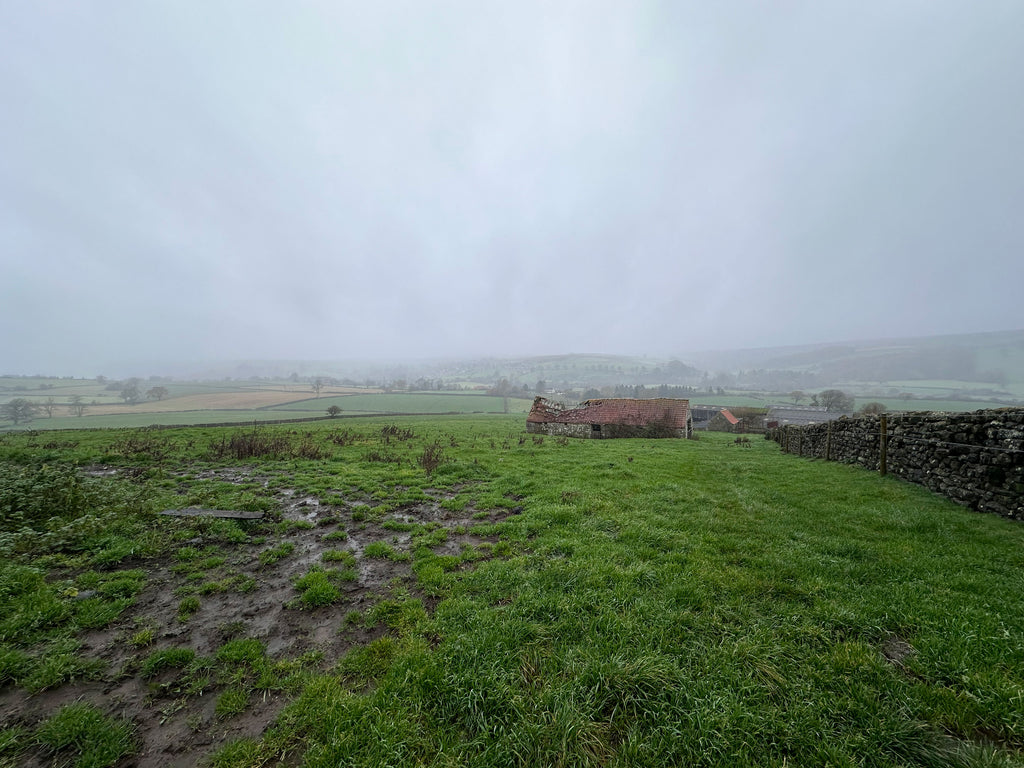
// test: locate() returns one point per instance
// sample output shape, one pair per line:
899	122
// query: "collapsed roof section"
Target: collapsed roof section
665	412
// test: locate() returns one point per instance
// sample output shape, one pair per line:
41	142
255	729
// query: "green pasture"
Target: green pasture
306	405
647	603
413	402
89	390
139	420
941	385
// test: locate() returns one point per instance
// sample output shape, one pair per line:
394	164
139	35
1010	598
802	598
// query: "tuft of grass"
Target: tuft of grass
231	702
168	658
242	651
187	608
270	556
13	742
343	556
317	588
85	737
14	664
142	638
59	663
96	613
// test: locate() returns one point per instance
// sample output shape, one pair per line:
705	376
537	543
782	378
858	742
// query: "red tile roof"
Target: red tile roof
729	417
621	411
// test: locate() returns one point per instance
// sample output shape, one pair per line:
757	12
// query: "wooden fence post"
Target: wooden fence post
881	445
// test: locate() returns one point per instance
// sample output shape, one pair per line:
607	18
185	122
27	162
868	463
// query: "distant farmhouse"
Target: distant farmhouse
781	415
713	417
612	417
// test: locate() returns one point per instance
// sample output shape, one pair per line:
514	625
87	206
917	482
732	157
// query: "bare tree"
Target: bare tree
317	385
77	407
49	406
873	408
835	400
797	396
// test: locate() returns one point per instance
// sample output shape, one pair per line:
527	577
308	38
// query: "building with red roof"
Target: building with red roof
612	417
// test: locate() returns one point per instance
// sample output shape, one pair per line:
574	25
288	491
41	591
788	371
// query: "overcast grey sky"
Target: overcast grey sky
331	180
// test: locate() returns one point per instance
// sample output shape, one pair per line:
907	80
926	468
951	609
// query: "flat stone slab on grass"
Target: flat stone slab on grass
197	512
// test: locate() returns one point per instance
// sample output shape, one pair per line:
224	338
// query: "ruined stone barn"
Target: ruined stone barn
612	417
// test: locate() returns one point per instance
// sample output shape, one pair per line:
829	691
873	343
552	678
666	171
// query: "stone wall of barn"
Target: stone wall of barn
606	431
976	459
558	430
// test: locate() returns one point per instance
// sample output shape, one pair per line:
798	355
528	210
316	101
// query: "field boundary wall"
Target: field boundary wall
976	459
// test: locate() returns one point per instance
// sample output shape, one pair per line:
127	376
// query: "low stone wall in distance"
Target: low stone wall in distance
975	459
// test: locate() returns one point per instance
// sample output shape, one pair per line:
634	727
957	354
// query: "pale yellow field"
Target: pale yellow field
219	401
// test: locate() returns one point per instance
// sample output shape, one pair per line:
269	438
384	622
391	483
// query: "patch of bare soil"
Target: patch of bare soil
896	649
177	728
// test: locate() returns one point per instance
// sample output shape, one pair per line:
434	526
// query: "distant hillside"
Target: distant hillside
975	366
572	370
996	359
576	370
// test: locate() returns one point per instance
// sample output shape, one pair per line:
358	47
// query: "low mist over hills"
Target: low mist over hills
995	360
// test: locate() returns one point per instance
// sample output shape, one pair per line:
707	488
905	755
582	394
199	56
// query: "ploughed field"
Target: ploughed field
453	591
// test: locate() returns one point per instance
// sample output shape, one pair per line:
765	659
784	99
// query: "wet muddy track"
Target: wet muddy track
259	601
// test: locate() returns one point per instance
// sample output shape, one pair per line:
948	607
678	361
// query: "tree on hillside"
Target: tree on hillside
130	391
873	409
77	407
49	406
797	396
834	400
317	385
501	388
157	393
18	410
333	411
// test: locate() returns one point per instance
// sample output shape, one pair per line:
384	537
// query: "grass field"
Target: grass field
267	401
198	403
450	591
413	402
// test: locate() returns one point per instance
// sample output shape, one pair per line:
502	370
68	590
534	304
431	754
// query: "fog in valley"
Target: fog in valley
184	183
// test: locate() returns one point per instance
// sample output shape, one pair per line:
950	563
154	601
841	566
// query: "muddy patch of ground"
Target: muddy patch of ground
896	650
210	595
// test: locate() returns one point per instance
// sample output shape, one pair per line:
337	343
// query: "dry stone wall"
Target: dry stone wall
976	459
